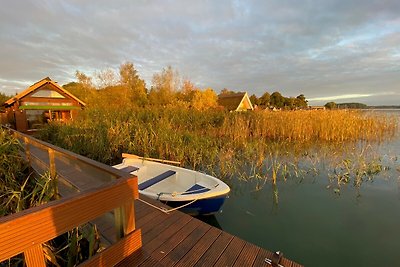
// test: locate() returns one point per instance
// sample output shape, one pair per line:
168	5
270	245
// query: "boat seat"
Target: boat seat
129	169
195	189
156	179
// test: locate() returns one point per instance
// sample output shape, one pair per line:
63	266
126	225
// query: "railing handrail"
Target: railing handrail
71	155
26	231
22	232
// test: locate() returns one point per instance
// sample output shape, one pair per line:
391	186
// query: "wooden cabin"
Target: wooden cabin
41	102
235	102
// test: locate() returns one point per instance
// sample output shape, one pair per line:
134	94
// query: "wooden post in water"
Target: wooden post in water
53	173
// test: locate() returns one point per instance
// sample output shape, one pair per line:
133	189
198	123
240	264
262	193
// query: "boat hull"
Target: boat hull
186	190
201	207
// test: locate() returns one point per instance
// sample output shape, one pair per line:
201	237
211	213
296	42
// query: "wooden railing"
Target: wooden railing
28	142
26	231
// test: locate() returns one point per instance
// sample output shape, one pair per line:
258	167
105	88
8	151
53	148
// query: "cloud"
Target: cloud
339	97
317	48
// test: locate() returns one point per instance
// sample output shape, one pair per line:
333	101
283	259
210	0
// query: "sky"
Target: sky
341	51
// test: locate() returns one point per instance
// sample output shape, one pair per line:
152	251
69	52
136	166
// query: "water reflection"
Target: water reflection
211	220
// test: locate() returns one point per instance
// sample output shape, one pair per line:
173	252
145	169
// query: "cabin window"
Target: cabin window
47	93
35	118
57	115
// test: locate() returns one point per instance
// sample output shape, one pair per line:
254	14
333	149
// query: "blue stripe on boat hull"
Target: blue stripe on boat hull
206	206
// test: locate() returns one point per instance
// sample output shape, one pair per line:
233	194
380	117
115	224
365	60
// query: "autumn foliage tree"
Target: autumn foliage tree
164	88
136	87
203	100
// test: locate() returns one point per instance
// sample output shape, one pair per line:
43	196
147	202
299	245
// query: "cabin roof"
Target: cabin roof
36	86
232	101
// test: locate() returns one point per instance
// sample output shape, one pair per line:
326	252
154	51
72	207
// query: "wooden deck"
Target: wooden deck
175	239
178	239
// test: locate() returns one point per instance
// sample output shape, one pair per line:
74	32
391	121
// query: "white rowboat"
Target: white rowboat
194	192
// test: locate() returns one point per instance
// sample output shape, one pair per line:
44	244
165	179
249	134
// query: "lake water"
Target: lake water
313	225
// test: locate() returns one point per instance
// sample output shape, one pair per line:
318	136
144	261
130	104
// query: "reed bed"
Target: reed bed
309	126
222	143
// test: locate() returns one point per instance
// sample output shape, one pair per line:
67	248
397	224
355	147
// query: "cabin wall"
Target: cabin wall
3	117
74	113
21	123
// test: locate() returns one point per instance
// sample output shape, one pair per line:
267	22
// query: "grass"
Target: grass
20	188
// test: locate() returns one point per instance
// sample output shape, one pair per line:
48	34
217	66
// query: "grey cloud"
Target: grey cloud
310	47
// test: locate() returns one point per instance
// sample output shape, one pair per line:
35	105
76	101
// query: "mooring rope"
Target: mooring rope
162	209
173	194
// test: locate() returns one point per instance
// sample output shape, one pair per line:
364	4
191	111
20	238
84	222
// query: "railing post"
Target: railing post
34	256
129	218
52	168
124	220
119	229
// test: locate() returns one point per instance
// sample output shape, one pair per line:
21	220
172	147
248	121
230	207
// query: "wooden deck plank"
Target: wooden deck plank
295	264
174	241
170	225
211	256
230	254
285	262
191	258
247	256
185	246
261	256
148	218
155	237
151	262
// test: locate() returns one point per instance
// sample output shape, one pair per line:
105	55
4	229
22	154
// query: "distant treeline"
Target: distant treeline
125	87
333	105
276	100
167	89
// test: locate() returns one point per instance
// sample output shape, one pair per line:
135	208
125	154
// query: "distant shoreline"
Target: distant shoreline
384	107
381	109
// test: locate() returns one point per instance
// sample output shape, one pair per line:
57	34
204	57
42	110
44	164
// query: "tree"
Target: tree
204	99
83	88
265	99
188	91
254	100
277	100
129	78
3	98
301	101
226	91
106	78
165	85
289	102
83	79
331	105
